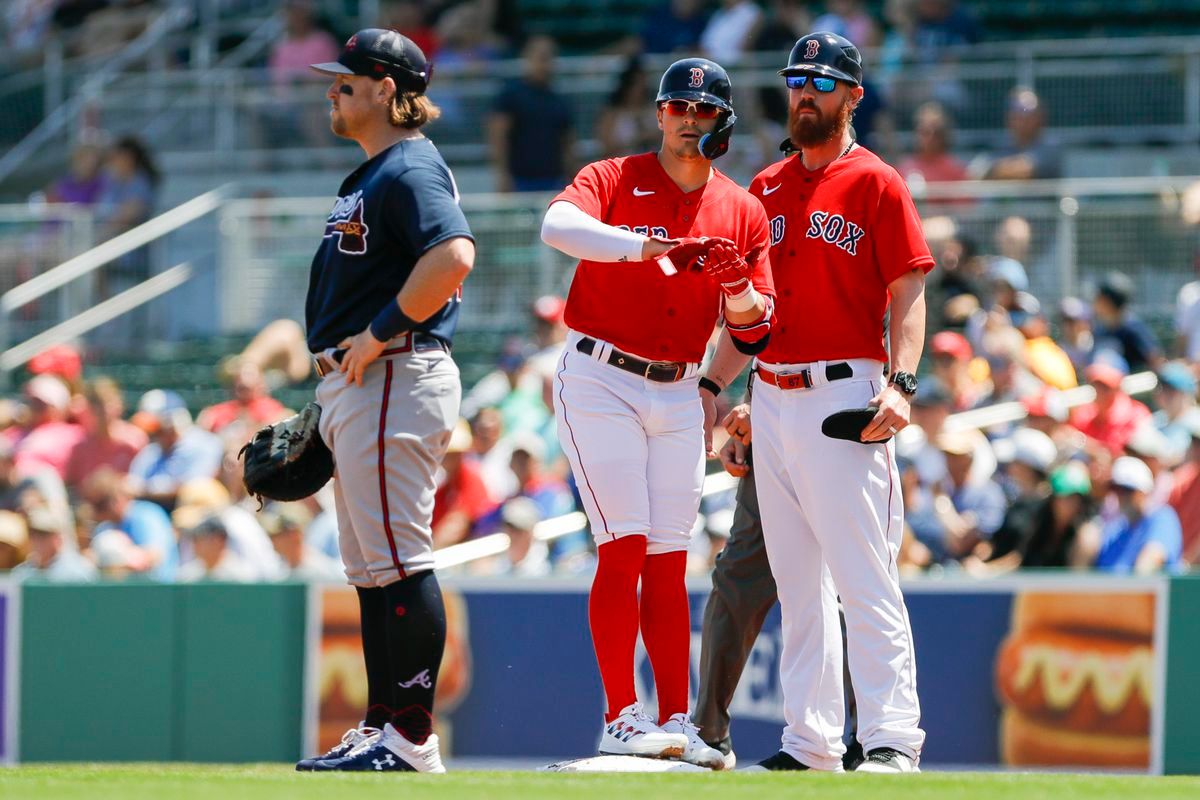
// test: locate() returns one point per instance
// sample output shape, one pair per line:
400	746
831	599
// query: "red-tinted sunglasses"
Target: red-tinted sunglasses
680	108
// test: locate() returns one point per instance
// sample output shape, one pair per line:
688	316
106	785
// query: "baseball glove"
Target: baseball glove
850	424
287	460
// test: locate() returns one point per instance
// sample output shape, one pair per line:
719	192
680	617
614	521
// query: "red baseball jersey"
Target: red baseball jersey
634	305
839	236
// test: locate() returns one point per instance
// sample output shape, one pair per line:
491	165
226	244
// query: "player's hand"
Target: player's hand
737	423
361	350
708	401
733	458
725	266
656	246
690	253
892	414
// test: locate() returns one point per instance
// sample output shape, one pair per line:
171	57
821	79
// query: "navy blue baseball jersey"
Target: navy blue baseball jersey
389	212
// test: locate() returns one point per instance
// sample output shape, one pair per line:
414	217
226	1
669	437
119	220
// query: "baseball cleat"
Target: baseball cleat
350	740
780	762
725	748
633	733
390	752
853	756
887	759
697	751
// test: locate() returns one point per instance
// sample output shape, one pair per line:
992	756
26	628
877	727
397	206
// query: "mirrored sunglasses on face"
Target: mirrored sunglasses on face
680	108
823	85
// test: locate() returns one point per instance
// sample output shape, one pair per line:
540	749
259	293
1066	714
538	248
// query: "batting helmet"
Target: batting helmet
703	81
825	53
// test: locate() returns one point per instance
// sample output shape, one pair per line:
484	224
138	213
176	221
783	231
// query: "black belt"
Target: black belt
420	342
803	378
657	371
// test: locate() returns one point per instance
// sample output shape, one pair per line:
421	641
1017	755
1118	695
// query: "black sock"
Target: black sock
372	615
416	637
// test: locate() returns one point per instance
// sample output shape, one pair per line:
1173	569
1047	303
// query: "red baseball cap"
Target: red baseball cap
1104	374
61	360
951	343
549	308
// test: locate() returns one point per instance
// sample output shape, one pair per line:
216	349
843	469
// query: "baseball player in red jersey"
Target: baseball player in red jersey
632	415
846	249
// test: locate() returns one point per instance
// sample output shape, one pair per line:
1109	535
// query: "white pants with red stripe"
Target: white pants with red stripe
388	437
833	518
636	448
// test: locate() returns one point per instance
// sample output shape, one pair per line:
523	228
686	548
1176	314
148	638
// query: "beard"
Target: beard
816	130
337	124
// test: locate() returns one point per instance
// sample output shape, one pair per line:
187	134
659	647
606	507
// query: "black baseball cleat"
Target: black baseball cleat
780	762
854	756
887	760
350	740
725	748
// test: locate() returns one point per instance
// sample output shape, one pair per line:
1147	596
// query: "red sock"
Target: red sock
613	614
667	629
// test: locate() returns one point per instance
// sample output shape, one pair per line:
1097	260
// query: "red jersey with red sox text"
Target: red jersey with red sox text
634	305
839	236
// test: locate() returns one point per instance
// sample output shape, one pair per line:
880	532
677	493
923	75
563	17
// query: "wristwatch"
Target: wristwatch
905	382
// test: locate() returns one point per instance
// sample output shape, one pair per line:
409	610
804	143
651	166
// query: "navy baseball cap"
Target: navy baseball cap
378	53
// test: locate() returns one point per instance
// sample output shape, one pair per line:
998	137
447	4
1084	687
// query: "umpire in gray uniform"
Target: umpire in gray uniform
381	311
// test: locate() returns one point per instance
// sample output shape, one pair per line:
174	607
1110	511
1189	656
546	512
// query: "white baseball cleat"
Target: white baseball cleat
887	760
697	751
633	733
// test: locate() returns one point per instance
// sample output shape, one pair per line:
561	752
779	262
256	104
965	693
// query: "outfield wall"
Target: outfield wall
228	673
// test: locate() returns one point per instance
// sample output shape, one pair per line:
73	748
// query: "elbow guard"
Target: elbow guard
752	337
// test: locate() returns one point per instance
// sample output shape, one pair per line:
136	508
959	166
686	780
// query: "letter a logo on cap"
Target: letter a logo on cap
697	77
352	42
813	47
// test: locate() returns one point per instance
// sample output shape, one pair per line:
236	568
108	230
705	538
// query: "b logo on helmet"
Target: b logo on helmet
813	47
697	77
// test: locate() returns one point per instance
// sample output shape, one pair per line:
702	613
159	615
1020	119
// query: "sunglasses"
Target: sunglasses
822	85
680	108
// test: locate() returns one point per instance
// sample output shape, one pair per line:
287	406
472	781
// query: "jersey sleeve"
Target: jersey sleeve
899	238
422	208
593	189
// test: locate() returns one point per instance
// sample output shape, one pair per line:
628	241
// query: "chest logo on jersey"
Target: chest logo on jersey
646	230
778	226
836	230
346	223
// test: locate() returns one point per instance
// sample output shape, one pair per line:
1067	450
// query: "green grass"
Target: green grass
257	782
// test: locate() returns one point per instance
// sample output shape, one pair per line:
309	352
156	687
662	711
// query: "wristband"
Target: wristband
743	301
391	320
710	385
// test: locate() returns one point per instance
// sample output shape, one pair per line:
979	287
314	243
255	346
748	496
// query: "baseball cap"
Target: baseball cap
1177	376
1010	271
49	390
281	517
958	443
1132	473
931	393
1104	374
1148	442
529	442
1071	478
378	53
13	531
521	513
61	360
461	439
951	343
549	308
1117	287
1073	308
160	408
1033	449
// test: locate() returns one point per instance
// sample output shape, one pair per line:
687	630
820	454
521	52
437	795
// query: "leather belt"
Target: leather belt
657	371
803	378
421	343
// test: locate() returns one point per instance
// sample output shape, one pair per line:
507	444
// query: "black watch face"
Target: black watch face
906	382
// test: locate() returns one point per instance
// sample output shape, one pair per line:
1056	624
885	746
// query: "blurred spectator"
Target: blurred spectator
674	27
61	360
43	484
1075	337
408	17
491	449
530	129
1155	452
465	42
731	30
1118	329
549	334
1047	412
1024	481
110	441
128	194
14	540
952	353
849	18
462	498
1113	416
50	559
279	351
786	21
627	124
84	183
932	160
1143	538
50	438
291	109
285	524
26	24
1027	154
1013	238
1011	380
1175	397
551	494
1045	359
1187	319
200	498
1008	278
250	408
178	451
118	558
930	408
522	407
940	24
146	525
113	25
214	560
1185	494
526	557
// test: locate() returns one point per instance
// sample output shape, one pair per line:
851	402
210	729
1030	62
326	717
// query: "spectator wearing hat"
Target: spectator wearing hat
1010	378
145	524
214	560
1118	329
549	334
118	558
952	354
462	498
42	485
14	540
250	407
199	498
549	492
1175	397
285	524
62	360
1142	539
1007	277
50	438
1026	457
1185	493
1048	362
110	441
178	451
1075	332
526	556
1154	449
50	559
1113	416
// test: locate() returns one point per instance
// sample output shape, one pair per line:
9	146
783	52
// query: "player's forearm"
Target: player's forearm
907	331
750	315
568	229
727	363
436	277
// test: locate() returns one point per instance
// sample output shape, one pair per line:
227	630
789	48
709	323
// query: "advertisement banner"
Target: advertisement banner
1022	672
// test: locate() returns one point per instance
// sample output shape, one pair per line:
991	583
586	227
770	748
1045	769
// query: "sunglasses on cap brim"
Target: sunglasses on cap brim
680	108
823	85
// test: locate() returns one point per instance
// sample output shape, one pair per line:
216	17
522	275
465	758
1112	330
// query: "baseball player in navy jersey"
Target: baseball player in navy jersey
382	307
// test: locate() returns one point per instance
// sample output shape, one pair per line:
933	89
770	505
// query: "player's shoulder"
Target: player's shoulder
863	162
626	166
771	175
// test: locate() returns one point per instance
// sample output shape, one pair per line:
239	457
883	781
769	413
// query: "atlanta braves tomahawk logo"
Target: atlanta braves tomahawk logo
420	679
811	50
346	223
836	230
697	77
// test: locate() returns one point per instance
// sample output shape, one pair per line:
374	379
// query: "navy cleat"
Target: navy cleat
390	752
350	740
